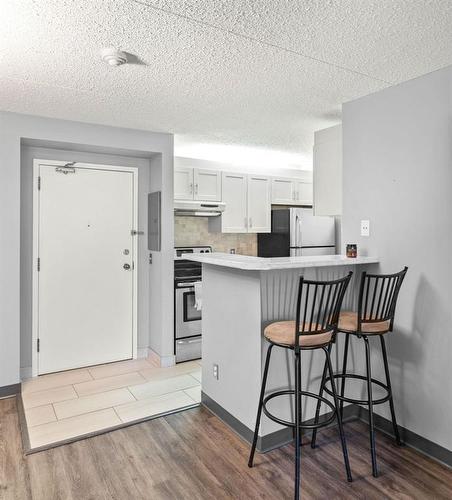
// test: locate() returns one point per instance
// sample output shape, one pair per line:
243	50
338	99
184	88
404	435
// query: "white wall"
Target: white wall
398	174
217	165
81	137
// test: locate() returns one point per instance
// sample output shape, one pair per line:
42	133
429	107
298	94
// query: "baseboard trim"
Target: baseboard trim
270	441
409	438
163	361
26	372
142	352
351	412
10	390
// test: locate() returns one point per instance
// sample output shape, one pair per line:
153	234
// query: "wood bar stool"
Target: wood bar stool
317	315
377	302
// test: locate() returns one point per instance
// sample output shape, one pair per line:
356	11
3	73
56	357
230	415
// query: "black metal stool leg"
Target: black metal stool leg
344	371
261	403
339	417
388	383
319	403
371	413
297	423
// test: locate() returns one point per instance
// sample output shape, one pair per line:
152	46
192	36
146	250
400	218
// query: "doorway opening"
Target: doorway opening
85	219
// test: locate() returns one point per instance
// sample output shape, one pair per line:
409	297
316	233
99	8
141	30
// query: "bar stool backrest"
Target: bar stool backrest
318	306
378	298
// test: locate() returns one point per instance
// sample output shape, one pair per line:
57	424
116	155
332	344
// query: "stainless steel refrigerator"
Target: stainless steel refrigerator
297	232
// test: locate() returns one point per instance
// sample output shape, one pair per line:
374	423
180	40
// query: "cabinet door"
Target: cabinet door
259	204
234	195
183	183
283	191
207	184
303	193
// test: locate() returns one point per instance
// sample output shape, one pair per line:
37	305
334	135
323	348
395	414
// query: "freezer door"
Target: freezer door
309	252
315	231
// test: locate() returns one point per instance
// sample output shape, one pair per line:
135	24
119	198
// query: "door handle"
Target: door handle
126	266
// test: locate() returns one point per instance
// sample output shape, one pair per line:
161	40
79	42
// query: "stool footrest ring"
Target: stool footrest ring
379	401
292	424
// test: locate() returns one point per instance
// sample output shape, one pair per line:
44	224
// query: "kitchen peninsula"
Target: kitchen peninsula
241	296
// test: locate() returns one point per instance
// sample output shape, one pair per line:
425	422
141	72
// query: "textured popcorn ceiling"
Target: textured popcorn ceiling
262	74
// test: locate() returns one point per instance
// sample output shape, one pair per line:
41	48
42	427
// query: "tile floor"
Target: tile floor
66	406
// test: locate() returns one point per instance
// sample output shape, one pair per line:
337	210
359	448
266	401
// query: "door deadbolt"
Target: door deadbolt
126	251
126	266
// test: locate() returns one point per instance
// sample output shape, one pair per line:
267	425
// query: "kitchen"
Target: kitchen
228	209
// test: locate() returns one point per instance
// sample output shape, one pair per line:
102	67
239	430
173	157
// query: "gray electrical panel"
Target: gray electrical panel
154	221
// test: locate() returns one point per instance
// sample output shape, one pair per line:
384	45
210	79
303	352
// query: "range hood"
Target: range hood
199	208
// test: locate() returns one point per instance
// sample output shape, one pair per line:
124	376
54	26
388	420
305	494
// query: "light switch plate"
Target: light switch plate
365	228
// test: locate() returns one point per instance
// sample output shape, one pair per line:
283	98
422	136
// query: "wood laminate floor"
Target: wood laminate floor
193	455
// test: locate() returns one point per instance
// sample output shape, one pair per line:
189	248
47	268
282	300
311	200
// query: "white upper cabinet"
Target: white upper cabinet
303	192
259	204
234	195
328	171
207	184
183	183
197	184
287	191
283	191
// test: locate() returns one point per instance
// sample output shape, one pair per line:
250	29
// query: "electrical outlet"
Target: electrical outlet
215	371
365	228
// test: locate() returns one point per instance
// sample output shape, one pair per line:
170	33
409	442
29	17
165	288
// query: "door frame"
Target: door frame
35	251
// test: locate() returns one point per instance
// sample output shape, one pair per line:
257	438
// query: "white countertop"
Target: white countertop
248	263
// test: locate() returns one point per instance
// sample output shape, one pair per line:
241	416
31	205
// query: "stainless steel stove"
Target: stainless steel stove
187	324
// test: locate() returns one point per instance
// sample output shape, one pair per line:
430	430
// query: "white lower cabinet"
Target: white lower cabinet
248	204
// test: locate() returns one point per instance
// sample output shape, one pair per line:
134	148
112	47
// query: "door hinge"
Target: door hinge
39	183
39	263
38	345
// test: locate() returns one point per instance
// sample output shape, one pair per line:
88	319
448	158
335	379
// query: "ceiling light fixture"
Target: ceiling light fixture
113	57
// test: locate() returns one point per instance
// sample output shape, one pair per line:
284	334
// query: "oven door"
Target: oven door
188	318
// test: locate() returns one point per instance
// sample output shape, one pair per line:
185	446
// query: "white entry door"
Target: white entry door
85	276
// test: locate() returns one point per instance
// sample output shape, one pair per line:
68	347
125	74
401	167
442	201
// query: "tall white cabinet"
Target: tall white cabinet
259	204
328	171
248	204
235	196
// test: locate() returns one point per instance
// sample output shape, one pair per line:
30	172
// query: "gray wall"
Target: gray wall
143	165
398	174
75	136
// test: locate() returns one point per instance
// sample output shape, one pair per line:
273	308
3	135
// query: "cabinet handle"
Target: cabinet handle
196	188
245	222
191	188
251	222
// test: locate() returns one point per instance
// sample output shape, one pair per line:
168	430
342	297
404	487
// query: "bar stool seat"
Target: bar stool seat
348	323
282	333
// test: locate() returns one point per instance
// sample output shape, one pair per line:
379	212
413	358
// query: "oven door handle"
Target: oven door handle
185	285
184	341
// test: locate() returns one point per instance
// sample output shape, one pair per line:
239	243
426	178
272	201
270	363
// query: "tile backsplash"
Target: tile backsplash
192	231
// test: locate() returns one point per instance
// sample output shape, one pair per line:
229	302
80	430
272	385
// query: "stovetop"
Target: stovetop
186	270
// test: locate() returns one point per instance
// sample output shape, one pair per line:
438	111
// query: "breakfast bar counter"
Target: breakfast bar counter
241	295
